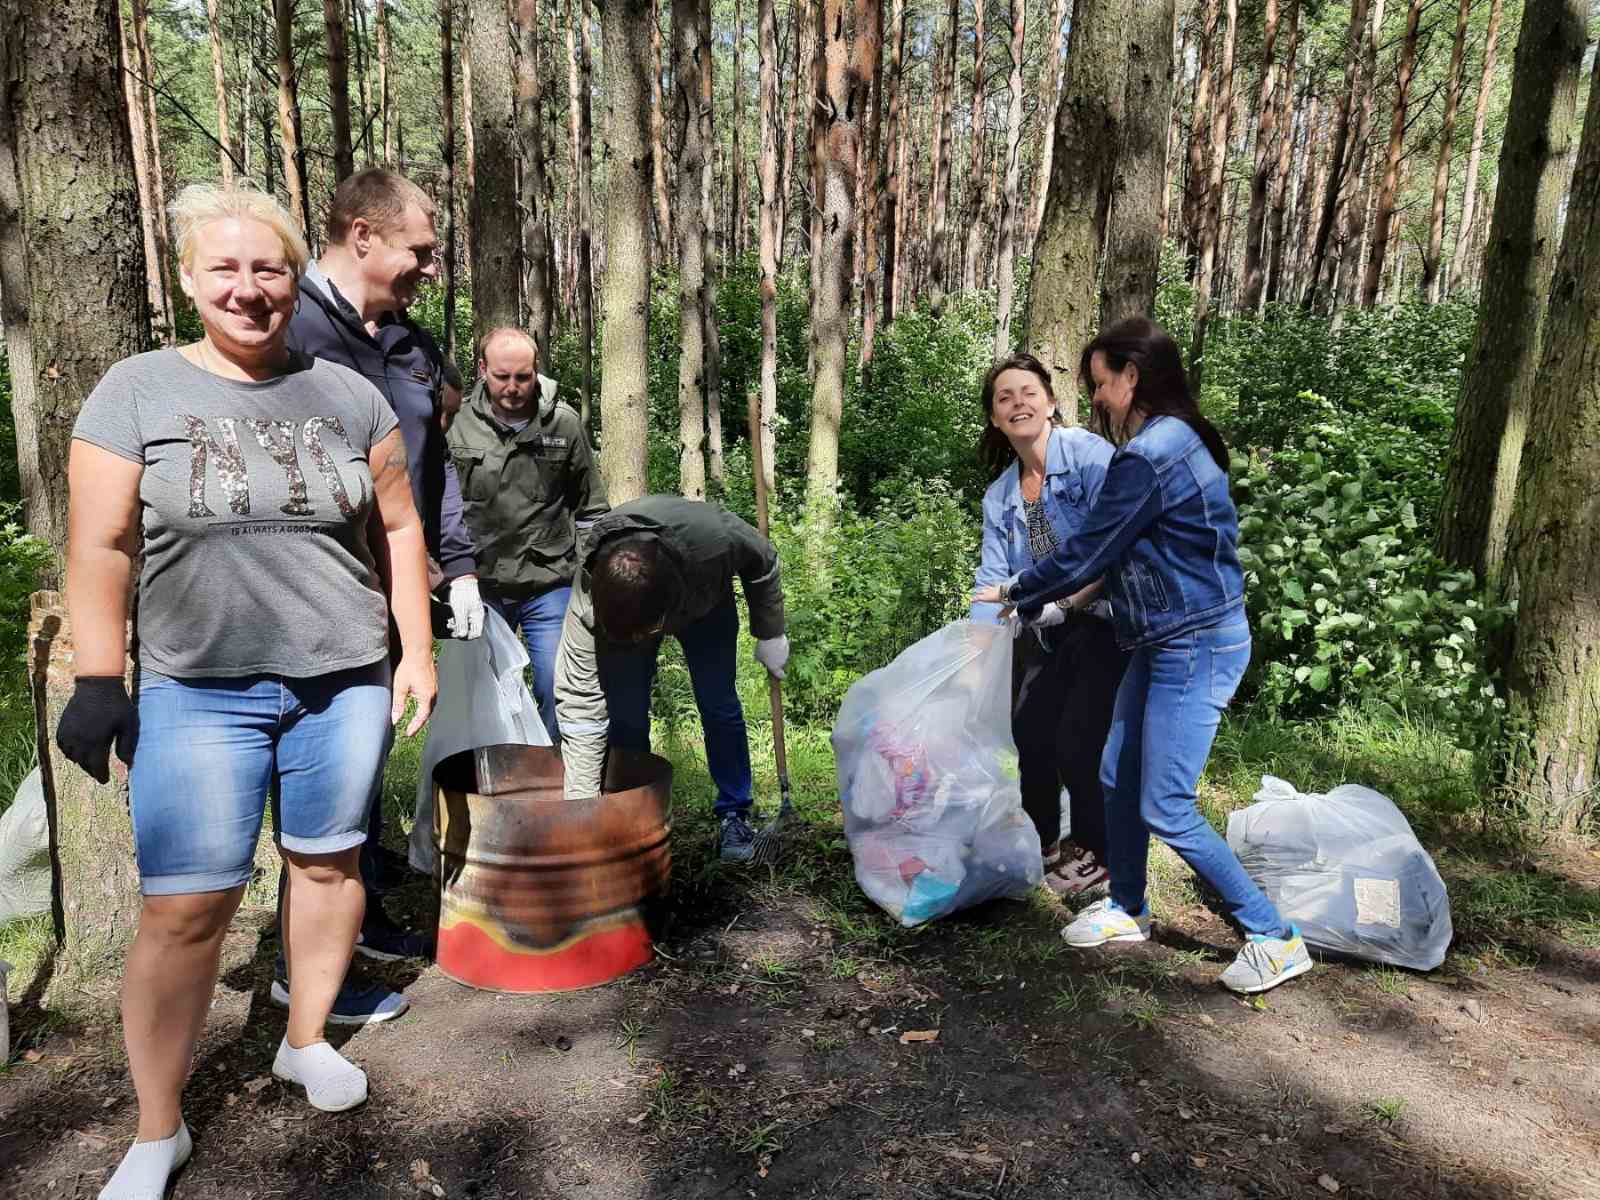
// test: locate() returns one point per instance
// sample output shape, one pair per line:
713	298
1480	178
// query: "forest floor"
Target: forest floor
762	1053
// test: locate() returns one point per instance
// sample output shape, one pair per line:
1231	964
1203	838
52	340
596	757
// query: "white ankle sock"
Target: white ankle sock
147	1166
333	1083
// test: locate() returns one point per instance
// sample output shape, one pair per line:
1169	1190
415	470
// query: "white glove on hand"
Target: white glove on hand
466	608
773	654
1050	614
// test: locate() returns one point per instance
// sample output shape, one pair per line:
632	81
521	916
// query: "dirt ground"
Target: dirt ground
762	1054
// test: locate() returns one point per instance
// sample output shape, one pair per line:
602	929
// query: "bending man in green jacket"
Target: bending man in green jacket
655	566
529	486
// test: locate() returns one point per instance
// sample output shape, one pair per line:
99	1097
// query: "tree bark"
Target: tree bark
383	81
1405	71
1200	125
344	159
146	131
1051	71
799	69
537	289
1469	192
869	49
1356	201
579	76
942	183
625	284
1269	141
1170	159
448	184
1282	170
738	200
713	250
1212	228
294	153
1064	305
1005	273
889	206
70	199
151	224
1133	249
1498	388
1355	38
658	120
219	80
771	235
687	63
1553	676
1441	173
977	144
495	238
846	85
363	65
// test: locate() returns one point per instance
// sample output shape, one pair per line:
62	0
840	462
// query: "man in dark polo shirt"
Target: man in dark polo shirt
352	310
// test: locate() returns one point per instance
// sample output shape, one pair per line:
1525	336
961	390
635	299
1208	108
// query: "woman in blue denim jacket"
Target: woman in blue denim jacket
1066	670
1164	534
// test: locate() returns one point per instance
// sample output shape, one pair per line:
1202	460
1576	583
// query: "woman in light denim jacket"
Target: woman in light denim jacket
1066	670
1164	533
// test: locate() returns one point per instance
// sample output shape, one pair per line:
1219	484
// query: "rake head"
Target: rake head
768	845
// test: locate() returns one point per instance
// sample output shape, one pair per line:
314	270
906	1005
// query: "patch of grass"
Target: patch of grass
629	1031
1145	1010
758	1138
1073	995
26	945
772	968
1387	1109
1386	980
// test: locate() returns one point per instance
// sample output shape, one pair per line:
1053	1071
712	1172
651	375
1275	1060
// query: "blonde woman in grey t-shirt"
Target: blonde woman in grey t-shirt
271	497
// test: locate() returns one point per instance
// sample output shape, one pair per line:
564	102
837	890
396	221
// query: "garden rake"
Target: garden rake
768	844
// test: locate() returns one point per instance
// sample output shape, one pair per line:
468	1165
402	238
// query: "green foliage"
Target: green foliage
1346	600
23	558
10	482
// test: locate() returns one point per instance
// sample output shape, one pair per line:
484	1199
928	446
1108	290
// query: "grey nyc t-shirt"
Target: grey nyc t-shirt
255	501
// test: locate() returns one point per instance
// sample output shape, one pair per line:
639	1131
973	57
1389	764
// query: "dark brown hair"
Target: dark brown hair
1163	388
994	448
379	197
635	586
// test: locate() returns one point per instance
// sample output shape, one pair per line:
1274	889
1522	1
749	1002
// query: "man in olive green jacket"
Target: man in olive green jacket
655	566
529	483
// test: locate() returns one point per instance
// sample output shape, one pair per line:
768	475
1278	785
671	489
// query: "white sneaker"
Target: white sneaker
147	1167
333	1083
1104	922
1265	962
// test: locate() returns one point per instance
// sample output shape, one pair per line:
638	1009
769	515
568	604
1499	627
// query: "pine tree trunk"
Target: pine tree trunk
537	289
1405	71
1089	129
942	182
738	201
889	206
67	197
1337	165
152	179
219	80
687	63
761	433
1355	205
1501	377
872	178
625	284
1268	139
1469	192
383	81
363	57
150	215
344	159
713	251
1553	675
1133	249
244	62
448	184
794	125
579	86
658	120
977	144
1052	74
1314	185
1005	273
846	86
1222	115
1169	160
1441	172
294	154
1282	171
495	241
1199	153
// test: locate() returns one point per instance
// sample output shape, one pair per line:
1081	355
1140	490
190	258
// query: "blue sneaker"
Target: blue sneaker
736	841
383	940
356	1004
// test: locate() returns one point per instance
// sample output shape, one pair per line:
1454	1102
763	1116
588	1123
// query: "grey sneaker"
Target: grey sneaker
1104	922
1265	962
736	841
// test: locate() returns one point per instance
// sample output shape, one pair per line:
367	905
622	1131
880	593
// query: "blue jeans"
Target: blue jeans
211	750
539	619
710	647
1166	717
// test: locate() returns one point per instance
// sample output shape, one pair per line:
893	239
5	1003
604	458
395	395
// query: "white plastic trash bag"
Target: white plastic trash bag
25	853
928	777
1346	868
483	701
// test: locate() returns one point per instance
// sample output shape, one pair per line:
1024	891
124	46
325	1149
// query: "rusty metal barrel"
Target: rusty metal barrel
542	894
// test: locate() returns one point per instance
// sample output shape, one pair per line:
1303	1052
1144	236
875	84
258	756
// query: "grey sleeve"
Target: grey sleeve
109	418
756	561
378	419
580	702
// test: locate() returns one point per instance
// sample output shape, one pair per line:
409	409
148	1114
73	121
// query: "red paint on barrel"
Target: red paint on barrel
469	955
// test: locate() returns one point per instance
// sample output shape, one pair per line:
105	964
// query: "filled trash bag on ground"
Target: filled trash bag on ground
1346	868
25	853
483	701
928	777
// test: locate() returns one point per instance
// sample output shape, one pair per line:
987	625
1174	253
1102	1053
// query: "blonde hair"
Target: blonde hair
201	203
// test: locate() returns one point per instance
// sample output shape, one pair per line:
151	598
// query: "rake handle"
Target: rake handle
775	688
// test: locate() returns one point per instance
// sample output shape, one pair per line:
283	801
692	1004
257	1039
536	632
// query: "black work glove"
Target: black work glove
98	714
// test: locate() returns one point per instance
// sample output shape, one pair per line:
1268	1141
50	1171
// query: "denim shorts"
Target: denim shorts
210	752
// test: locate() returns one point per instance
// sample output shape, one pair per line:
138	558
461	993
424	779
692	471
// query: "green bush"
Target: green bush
1346	602
10	481
23	558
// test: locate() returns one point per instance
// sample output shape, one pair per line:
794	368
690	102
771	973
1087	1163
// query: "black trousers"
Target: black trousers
1063	689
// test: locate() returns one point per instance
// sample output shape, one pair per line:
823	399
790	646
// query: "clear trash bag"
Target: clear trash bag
25	853
928	777
1346	868
483	701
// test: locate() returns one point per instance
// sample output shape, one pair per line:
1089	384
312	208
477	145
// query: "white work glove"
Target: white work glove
466	608
1050	614
773	654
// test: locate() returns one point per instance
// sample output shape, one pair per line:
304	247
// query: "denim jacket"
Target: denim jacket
1163	532
1074	470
